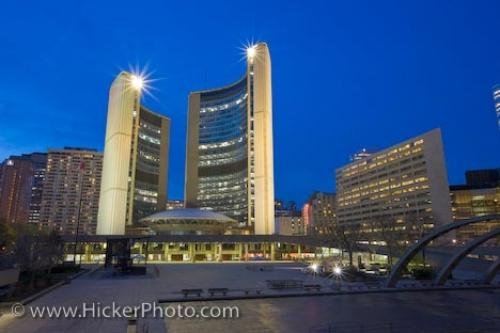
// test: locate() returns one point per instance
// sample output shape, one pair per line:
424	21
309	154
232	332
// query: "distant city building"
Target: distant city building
363	153
21	181
290	225
282	209
306	214
230	147
406	183
319	211
174	204
485	177
480	196
496	100
71	190
135	166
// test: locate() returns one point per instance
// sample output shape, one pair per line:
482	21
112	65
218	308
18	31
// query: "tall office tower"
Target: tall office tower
496	100
229	165
406	183
135	166
21	181
70	194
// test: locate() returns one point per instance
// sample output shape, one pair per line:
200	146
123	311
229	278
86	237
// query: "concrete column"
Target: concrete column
88	252
165	252
273	251
246	251
219	248
191	251
299	251
242	251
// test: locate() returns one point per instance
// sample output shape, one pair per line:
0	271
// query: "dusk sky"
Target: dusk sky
346	75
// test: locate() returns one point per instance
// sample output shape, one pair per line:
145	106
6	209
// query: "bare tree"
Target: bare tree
38	250
394	234
8	237
345	237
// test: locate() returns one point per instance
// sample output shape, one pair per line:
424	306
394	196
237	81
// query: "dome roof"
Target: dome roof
184	214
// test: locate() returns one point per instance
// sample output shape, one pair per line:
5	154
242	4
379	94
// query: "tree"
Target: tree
8	237
38	249
394	234
345	237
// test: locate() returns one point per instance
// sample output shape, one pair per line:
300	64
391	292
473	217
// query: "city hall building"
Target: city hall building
135	165
230	147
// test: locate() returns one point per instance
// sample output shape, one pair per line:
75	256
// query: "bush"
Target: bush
422	273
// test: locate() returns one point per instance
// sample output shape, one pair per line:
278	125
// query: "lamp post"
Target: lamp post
80	181
337	271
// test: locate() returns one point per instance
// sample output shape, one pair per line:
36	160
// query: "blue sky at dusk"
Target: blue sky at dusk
346	75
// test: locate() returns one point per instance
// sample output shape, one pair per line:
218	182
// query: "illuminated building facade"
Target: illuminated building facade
406	183
135	166
479	196
363	153
229	165
290	225
21	182
70	194
321	211
496	100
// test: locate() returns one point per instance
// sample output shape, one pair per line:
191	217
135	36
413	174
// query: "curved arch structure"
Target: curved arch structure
435	233
492	271
446	270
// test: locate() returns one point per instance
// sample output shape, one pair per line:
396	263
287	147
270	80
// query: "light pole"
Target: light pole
80	181
337	271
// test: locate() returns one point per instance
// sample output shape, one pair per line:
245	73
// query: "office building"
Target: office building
406	183
484	177
21	181
362	153
70	194
135	165
290	225
320	211
479	196
230	147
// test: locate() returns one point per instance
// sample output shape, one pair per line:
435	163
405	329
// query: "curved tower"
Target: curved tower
229	162
135	165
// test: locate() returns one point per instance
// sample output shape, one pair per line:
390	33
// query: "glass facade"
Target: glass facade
223	151
147	167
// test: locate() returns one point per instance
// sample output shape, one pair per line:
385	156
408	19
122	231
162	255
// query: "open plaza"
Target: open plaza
272	310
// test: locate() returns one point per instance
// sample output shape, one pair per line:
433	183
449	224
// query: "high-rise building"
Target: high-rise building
321	211
406	183
290	225
135	166
496	101
362	153
230	147
70	194
21	181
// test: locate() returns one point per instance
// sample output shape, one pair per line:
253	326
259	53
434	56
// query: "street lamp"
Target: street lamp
337	272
